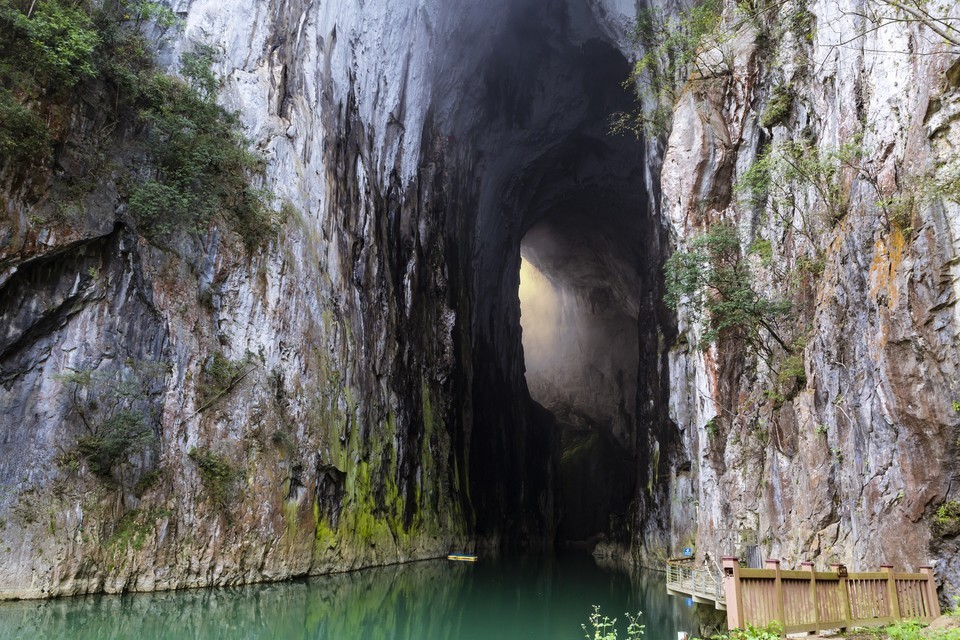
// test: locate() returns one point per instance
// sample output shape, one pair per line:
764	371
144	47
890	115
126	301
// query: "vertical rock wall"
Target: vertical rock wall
849	461
298	396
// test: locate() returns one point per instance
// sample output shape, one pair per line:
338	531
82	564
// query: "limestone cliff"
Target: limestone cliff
845	454
298	395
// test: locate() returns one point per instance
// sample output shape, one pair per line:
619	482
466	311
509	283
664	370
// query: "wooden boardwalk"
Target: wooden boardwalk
806	601
810	601
702	585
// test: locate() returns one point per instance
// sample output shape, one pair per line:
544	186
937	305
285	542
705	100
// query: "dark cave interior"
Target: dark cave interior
567	405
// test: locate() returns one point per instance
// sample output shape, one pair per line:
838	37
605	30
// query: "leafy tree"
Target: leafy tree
52	46
712	278
46	53
200	158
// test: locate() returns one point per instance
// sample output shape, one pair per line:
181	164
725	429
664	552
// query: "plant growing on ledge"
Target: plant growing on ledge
218	475
670	46
712	279
45	50
946	520
116	411
200	162
220	376
192	164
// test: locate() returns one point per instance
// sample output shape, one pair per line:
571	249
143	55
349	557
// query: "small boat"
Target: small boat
462	557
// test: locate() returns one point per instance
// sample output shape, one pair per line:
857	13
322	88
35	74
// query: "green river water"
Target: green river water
529	598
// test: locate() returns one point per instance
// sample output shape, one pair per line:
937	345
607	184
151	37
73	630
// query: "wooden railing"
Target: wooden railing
703	585
808	600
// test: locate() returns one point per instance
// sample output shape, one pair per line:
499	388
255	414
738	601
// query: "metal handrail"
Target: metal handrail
681	576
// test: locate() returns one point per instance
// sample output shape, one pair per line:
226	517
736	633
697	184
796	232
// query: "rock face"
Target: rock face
354	393
848	458
298	398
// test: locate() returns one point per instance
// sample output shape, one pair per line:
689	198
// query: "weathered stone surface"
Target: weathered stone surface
852	466
337	428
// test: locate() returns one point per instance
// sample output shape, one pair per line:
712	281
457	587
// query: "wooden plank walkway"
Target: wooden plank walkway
702	585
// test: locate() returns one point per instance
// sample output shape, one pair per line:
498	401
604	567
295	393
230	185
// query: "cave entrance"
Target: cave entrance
579	314
584	337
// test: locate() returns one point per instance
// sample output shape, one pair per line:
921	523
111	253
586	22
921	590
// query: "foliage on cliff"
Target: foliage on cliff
713	279
44	52
118	418
669	46
190	164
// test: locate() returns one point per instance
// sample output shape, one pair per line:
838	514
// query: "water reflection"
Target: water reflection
527	598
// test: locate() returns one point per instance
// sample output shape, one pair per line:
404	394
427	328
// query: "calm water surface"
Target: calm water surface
531	598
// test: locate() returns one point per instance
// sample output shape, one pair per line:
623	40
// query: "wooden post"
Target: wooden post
933	602
778	586
813	594
893	600
844	594
731	590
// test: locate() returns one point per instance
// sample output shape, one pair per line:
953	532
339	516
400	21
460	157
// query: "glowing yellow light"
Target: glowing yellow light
540	307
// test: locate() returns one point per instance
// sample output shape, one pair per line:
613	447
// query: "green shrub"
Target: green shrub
118	436
801	22
41	57
116	413
762	249
201	158
23	134
198	166
600	627
953	612
946	520
219	376
53	47
218	475
791	370
914	630
711	427
904	630
778	107
714	281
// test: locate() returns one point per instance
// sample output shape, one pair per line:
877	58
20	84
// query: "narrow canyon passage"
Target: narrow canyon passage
567	245
579	315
